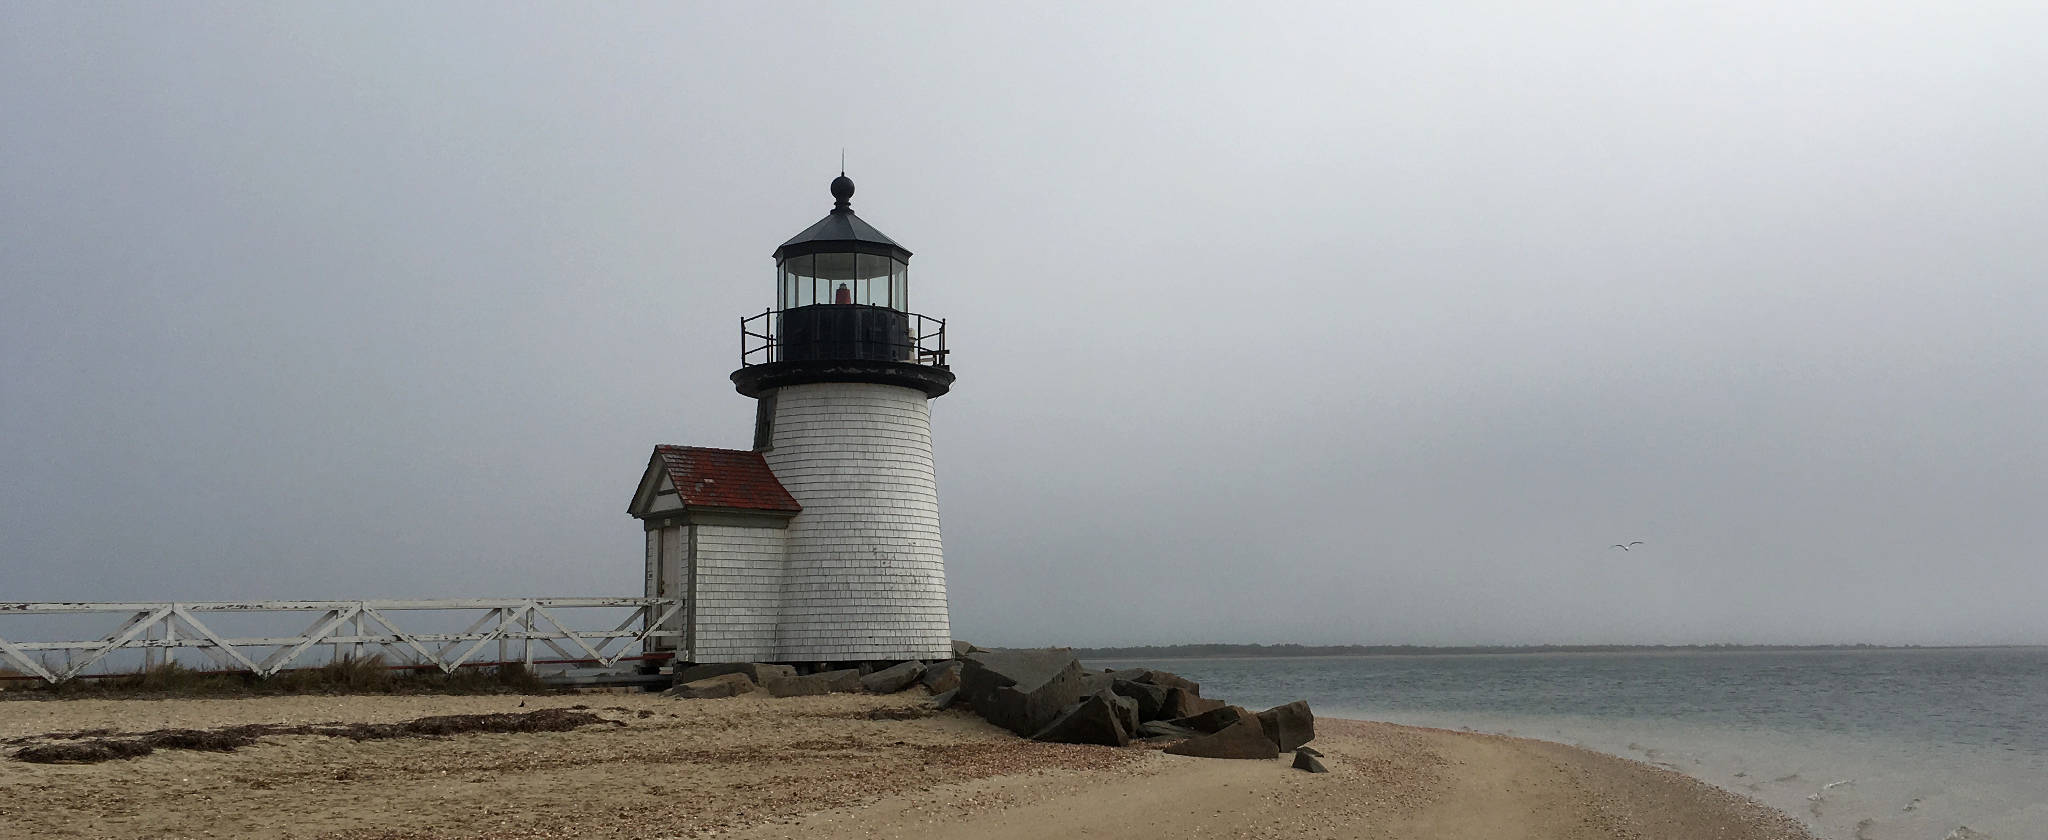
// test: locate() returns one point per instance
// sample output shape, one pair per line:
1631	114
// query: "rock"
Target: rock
1304	761
1243	739
962	649
1310	750
894	678
1215	720
756	671
1022	691
944	699
844	679
1150	698
1168	679
1162	729
943	677
795	687
1094	720
1126	709
723	685
1094	682
822	683
1289	725
1182	703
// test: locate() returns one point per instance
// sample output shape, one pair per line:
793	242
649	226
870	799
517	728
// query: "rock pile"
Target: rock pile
1045	695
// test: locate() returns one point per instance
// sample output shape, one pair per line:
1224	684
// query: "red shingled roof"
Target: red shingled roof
724	478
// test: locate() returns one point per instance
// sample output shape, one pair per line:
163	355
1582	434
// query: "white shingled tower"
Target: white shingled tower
821	545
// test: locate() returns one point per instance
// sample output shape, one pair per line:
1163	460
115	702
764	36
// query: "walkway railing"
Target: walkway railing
346	628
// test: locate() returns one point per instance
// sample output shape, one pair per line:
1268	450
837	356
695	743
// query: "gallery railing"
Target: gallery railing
842	332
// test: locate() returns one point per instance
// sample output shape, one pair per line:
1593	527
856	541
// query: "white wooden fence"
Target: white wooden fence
346	628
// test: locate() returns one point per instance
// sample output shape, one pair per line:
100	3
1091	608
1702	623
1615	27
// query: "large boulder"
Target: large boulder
794	687
894	678
944	699
1215	720
1289	725
1126	709
842	680
1168	679
1150	698
1094	720
942	677
962	649
827	682
1020	690
1304	761
1243	739
1162	729
757	671
723	685
1181	703
1094	681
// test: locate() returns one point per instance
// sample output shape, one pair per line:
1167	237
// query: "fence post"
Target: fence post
526	643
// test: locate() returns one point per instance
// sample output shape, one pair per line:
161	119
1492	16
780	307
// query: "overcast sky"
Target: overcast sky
1351	323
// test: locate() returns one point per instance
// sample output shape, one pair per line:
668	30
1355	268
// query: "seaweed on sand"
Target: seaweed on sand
231	738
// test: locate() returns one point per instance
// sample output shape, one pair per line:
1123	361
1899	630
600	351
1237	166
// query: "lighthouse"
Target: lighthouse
820	544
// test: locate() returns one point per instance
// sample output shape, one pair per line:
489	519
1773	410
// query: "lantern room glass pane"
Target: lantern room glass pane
835	278
801	284
872	279
899	285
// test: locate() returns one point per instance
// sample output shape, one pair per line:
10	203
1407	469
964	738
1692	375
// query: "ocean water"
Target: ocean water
1861	745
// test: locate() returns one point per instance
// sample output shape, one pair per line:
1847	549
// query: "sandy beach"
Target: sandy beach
832	766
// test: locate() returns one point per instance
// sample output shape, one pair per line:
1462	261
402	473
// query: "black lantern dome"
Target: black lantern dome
842	312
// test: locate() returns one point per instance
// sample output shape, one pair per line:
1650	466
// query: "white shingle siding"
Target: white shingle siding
864	575
738	593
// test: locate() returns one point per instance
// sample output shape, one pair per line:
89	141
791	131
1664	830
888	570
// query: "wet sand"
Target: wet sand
755	767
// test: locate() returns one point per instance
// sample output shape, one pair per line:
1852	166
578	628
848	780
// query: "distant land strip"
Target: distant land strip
1190	651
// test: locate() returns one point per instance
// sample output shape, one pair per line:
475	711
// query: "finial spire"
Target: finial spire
842	193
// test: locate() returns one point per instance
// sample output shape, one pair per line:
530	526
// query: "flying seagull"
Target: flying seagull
1626	547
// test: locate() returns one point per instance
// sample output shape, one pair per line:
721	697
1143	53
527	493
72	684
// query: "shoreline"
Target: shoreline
835	765
1090	656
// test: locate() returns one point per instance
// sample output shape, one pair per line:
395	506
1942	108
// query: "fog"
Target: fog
1370	323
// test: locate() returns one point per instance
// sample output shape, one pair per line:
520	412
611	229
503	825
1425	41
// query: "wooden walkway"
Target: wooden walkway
516	626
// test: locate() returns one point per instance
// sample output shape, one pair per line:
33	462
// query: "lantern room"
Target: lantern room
842	295
842	260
